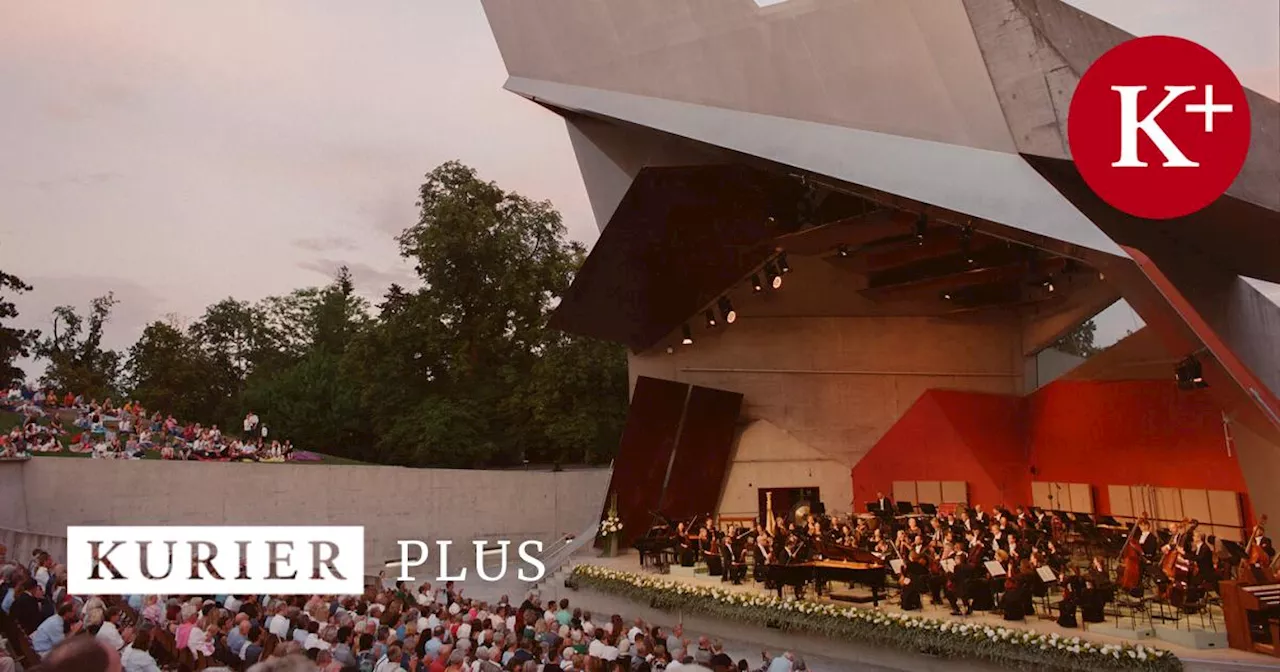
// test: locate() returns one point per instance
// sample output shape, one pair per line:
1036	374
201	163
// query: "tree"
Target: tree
1079	341
450	373
14	342
167	371
76	360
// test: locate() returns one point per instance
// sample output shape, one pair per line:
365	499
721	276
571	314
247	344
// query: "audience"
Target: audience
104	431
387	629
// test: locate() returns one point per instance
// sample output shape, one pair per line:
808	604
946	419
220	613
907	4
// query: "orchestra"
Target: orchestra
970	559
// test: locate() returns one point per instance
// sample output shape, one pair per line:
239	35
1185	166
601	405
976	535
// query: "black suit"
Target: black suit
884	505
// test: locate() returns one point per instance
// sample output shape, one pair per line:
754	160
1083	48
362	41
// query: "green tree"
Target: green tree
310	399
1079	341
76	359
167	371
14	342
450	373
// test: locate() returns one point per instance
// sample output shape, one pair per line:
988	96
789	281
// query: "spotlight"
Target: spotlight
711	317
775	278
922	225
946	296
726	310
782	263
1048	284
688	335
1102	276
842	251
755	283
1189	374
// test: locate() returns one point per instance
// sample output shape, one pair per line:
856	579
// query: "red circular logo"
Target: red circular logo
1159	127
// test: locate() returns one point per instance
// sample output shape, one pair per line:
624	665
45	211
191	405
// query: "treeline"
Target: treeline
460	372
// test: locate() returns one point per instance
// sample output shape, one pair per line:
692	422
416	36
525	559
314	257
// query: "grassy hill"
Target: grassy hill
10	419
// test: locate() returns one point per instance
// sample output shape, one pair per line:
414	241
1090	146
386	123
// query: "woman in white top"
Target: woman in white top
136	657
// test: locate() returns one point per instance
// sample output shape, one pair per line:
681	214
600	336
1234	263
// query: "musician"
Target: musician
915	578
1098	591
882	504
979	516
1147	541
1043	522
763	556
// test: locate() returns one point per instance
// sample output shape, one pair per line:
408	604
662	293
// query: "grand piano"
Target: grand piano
1252	613
658	545
833	562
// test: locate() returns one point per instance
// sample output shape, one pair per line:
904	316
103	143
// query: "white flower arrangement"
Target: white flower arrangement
1013	648
610	525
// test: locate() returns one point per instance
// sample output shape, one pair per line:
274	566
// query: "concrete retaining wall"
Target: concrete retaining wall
45	495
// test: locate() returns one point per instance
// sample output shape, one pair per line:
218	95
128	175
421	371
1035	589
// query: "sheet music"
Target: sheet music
1046	574
949	565
897	565
994	568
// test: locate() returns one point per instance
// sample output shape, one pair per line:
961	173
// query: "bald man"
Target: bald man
82	653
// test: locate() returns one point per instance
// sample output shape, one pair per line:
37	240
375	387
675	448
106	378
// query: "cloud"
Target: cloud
370	282
326	244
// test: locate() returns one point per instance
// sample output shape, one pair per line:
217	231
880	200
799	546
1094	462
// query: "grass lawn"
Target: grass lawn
10	419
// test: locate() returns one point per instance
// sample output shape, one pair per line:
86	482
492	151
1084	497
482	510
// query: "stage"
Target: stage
1181	642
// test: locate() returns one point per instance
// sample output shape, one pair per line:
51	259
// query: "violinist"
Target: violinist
915	577
1097	592
957	587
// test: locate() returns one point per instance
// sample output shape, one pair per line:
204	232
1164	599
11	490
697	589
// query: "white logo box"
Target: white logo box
308	560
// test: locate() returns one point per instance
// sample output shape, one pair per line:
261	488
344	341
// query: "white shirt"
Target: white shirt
385	665
133	660
110	635
314	642
232	604
279	626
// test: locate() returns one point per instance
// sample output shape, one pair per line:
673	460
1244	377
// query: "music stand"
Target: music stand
929	509
1108	520
871	507
905	508
1084	519
1235	550
1062	515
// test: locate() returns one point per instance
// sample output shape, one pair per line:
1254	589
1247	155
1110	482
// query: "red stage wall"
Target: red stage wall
1096	432
952	436
1130	433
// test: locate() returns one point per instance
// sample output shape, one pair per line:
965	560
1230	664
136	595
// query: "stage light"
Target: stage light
688	335
782	263
711	317
1048	284
775	278
946	296
1189	374
1102	276
842	251
726	310
922	225
755	283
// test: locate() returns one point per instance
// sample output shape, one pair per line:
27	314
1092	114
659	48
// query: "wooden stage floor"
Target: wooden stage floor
1104	633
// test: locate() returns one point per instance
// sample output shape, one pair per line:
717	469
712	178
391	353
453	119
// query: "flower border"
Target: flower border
1012	648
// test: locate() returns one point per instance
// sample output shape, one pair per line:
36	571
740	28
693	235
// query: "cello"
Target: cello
1131	558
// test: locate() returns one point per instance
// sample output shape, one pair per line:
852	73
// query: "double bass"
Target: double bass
1131	558
1179	568
1256	557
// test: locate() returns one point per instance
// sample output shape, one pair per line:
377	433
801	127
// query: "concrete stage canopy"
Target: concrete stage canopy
910	159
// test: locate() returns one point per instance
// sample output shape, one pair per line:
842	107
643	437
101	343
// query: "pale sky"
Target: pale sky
181	152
